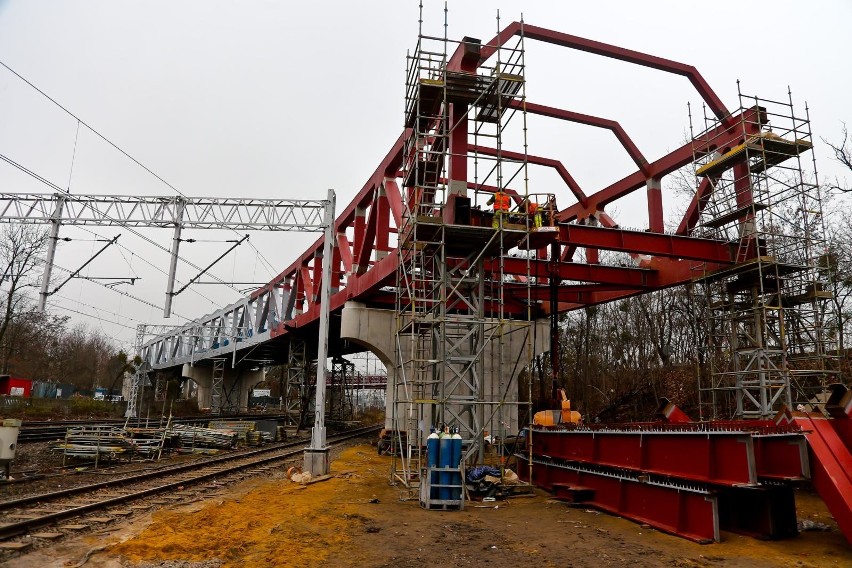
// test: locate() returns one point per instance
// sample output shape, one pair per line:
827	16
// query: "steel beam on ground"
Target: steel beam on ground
831	468
717	457
687	511
781	457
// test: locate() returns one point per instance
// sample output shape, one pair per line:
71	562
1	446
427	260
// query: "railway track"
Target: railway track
44	431
25	515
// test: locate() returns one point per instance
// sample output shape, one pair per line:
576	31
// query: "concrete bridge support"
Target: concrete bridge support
236	385
375	329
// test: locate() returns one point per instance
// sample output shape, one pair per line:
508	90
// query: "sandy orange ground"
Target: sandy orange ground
333	523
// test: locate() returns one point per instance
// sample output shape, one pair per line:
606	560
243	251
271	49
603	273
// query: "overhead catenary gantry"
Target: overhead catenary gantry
175	212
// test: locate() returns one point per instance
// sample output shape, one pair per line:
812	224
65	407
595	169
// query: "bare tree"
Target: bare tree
843	154
20	254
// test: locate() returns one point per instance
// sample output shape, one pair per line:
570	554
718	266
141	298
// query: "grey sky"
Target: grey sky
286	99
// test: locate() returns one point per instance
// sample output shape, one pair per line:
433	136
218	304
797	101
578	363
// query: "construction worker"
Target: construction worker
531	208
551	209
501	207
535	212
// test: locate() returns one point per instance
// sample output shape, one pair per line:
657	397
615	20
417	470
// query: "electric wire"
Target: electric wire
104	215
111	143
148	262
99	310
72	310
124	293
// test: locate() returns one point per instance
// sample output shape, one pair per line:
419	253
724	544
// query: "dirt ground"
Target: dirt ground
357	519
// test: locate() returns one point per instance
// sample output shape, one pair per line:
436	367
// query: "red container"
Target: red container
15	386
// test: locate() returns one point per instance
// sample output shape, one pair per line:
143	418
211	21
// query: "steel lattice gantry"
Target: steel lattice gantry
175	212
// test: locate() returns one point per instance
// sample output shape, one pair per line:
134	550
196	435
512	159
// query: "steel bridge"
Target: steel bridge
257	328
416	270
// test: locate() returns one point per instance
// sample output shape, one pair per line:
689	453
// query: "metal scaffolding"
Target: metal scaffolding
451	323
217	405
296	393
764	315
343	381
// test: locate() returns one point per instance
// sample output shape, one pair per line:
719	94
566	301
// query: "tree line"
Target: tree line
41	345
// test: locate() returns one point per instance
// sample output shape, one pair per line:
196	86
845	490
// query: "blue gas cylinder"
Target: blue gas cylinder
455	456
445	460
432	443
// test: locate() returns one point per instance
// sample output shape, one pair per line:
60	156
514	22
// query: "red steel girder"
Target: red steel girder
589	120
831	468
717	457
538	160
363	227
576	271
655	244
696	206
719	137
582	294
598	48
781	457
579	294
684	511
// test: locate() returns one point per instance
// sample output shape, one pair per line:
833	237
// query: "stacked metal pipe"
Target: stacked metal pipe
94	442
196	437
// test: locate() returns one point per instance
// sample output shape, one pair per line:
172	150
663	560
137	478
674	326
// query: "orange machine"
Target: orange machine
554	417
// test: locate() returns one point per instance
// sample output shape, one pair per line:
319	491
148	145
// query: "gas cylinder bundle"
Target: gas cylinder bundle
443	452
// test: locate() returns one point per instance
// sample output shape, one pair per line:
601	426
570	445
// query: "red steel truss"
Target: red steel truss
679	476
363	258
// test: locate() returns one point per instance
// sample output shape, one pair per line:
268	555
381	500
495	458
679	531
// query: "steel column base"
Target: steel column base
316	462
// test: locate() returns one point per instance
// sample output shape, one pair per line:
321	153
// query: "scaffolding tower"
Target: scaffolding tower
340	387
764	315
296	388
217	390
451	324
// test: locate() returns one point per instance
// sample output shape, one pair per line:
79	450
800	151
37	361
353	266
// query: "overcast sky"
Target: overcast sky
286	99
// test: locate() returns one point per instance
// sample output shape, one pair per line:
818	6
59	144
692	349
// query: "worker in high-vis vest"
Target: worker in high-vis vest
501	207
535	212
531	209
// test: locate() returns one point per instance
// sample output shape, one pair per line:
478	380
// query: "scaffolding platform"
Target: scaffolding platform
770	149
764	316
462	240
736	215
751	265
490	94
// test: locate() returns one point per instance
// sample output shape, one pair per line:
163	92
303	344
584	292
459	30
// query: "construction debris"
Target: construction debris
95	442
196	437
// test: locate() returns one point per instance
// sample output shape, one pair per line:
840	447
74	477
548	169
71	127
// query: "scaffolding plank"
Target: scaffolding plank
735	215
773	148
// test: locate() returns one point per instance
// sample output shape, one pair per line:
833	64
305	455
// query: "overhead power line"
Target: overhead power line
270	268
